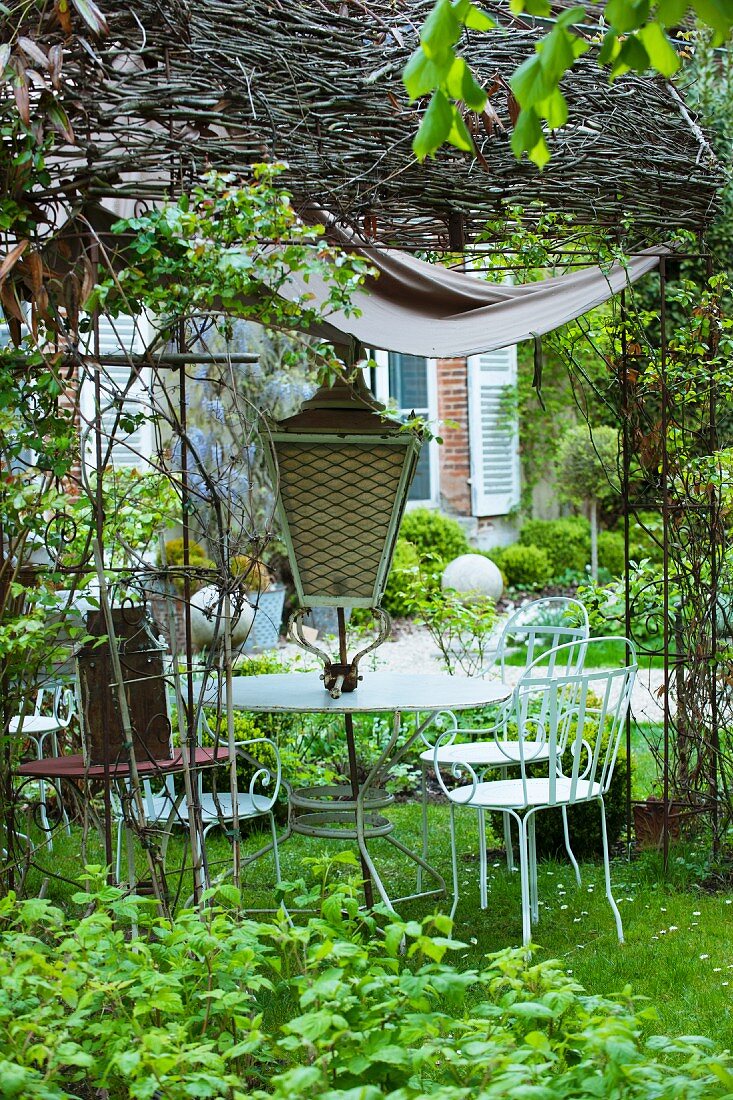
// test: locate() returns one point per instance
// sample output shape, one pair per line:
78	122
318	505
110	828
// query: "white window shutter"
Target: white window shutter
494	435
123	336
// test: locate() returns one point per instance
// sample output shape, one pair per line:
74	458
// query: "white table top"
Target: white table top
378	692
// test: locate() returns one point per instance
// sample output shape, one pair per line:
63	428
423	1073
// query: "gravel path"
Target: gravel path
411	649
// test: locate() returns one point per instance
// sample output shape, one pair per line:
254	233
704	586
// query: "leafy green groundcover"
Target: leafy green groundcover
217	1005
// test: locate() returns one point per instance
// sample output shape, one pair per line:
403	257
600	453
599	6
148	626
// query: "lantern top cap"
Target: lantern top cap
346	407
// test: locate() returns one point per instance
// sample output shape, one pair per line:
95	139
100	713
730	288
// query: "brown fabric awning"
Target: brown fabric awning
420	308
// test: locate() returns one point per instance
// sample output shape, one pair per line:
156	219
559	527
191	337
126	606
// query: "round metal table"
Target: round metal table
333	812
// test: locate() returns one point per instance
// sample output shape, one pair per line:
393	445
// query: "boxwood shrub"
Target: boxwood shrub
434	534
611	552
523	566
565	541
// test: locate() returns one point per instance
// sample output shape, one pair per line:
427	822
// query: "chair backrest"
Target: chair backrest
141	661
541	625
565	661
578	716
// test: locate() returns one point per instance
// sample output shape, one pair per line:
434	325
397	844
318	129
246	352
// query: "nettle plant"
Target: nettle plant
178	1011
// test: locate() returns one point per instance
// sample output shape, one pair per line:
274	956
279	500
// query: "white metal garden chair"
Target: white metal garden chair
165	805
50	717
568	728
535	629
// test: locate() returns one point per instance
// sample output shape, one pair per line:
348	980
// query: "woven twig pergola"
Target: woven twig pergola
180	87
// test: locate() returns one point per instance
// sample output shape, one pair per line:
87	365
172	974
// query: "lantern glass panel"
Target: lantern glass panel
339	499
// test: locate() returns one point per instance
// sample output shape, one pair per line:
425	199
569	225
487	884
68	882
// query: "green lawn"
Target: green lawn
679	939
606	655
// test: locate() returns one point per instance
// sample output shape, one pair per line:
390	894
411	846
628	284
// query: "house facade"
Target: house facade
473	475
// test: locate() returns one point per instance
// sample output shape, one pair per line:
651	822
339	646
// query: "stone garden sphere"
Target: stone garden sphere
204	607
473	575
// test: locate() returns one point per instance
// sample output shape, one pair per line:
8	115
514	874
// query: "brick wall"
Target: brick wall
454	455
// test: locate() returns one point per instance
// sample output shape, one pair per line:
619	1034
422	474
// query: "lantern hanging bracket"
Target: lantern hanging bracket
338	676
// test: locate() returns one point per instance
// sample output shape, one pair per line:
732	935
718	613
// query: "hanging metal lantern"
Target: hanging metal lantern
343	470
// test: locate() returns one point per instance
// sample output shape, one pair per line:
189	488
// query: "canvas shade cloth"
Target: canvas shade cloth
426	309
419	308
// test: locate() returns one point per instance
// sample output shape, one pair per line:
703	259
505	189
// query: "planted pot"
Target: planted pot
649	821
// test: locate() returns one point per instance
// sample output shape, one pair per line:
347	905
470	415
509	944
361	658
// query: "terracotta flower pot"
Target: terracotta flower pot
649	821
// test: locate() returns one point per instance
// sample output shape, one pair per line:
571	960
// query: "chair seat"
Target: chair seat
510	794
159	807
34	725
488	753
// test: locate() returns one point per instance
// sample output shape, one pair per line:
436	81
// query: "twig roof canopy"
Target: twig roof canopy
179	87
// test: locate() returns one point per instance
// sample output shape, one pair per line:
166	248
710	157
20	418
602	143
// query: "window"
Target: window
408	385
128	335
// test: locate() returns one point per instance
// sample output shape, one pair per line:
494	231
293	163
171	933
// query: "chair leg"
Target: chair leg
424	820
482	870
454	859
568	849
275	850
524	880
507	818
64	816
607	874
130	845
508	844
43	814
118	859
532	853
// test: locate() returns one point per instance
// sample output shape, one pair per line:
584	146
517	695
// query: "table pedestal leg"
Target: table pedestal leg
365	868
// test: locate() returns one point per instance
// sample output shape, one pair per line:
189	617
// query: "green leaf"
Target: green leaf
530	1010
57	116
458	134
228	893
610	48
392	1055
439	33
461	84
392	939
624	16
661	53
532	7
557	53
435	126
312	1025
528	138
472	16
718	15
670	12
570	17
554	109
531	83
634	55
421	75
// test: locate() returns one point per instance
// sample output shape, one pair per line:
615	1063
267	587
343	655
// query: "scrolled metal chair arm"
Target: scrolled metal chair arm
452	727
457	768
264	774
